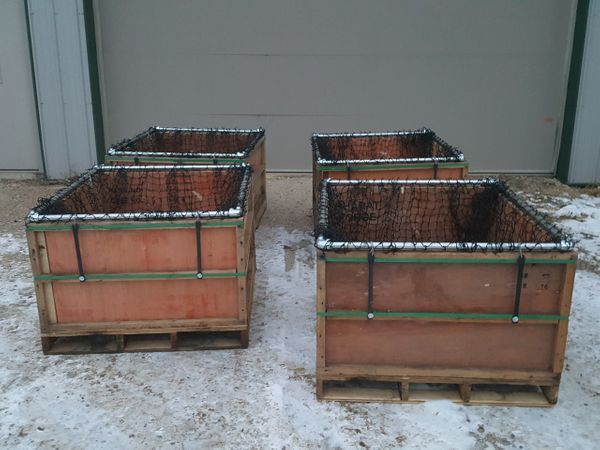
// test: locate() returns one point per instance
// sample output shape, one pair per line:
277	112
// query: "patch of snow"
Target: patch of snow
9	244
264	396
581	216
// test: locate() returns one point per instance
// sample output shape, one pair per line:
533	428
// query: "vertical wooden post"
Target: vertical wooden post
40	291
551	394
404	391
465	392
566	295
321	320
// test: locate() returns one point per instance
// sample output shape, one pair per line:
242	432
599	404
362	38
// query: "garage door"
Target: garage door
489	77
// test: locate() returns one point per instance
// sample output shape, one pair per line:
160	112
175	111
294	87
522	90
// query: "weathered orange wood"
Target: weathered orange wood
440	344
443	349
475	288
142	250
443	173
140	300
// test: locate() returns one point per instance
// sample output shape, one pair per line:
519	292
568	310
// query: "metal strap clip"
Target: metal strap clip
75	228
520	272
370	261
198	250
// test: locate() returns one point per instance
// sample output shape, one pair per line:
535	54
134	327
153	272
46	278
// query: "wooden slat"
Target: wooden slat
393	393
141	342
321	321
153	326
560	345
438	375
36	268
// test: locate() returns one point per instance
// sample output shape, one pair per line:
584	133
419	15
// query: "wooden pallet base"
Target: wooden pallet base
163	342
467	393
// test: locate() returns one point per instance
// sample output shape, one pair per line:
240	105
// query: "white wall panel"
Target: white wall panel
19	138
62	80
489	77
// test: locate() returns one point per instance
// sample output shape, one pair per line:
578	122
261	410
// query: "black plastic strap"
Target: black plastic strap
370	261
520	271
136	161
198	250
75	228
215	161
435	170
348	170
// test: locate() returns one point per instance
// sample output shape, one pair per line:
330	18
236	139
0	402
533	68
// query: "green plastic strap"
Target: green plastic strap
433	315
137	276
452	260
133	226
384	166
183	160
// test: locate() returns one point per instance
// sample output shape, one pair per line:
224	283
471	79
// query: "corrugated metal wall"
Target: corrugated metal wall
585	153
60	57
19	141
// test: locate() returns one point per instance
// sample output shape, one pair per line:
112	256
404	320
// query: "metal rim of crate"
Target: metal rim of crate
237	157
563	241
34	215
458	155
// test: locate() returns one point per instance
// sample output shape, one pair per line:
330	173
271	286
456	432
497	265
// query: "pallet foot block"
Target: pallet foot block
138	258
448	289
162	145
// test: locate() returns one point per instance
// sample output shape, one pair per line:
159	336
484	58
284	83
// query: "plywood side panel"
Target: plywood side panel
123	251
433	345
146	300
482	288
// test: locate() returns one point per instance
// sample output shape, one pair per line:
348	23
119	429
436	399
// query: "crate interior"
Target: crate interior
191	141
143	191
412	145
421	213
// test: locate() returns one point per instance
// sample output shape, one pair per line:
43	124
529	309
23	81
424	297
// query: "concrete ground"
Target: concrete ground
263	397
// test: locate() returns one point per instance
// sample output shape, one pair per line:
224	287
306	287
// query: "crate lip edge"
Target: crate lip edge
259	133
563	243
34	215
458	155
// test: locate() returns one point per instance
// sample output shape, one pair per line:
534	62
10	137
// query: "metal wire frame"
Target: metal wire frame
119	149
457	154
37	215
560	240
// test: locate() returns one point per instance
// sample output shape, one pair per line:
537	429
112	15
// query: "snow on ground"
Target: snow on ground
263	397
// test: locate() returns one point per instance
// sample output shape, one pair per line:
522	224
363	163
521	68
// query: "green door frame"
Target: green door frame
90	37
570	112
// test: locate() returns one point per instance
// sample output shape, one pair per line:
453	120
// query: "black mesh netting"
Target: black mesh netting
414	214
194	141
402	145
121	190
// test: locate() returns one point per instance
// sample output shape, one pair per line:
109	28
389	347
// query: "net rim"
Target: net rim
258	133
36	216
457	154
562	241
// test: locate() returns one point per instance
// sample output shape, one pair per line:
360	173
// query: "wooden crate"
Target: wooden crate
401	155
160	145
145	273
399	323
